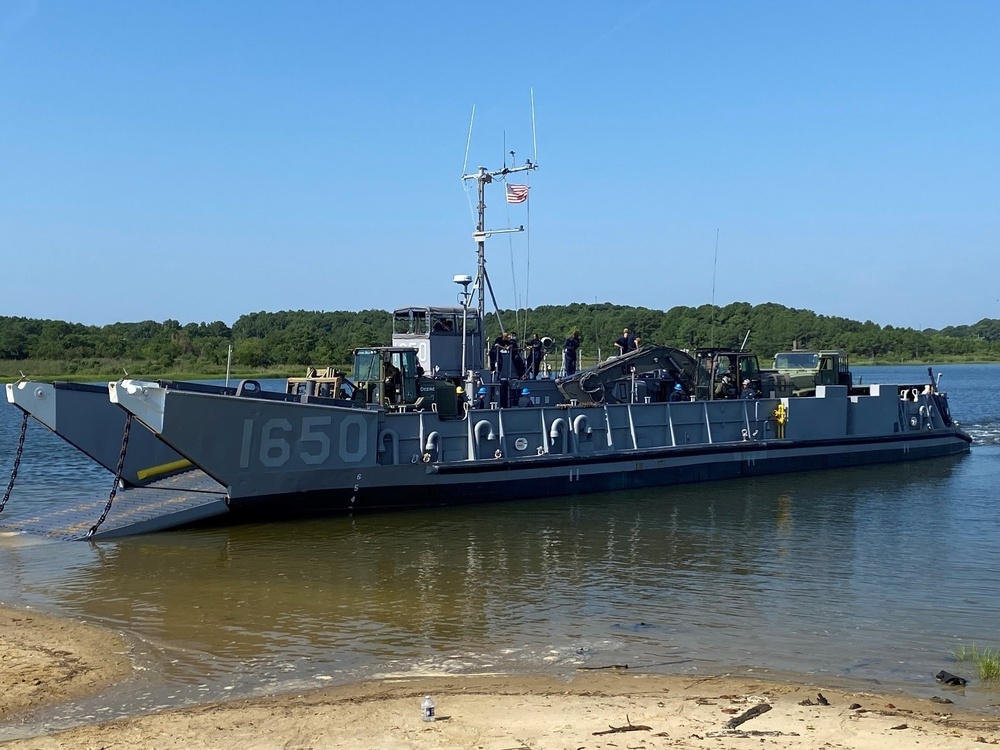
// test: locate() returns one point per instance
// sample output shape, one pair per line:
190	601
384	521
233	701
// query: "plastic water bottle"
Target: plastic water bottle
427	709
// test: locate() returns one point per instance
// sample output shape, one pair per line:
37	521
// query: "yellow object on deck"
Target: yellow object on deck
158	471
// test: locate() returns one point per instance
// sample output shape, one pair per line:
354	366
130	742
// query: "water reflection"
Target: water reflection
730	573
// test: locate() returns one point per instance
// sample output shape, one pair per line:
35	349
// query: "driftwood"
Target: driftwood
630	727
608	666
751	713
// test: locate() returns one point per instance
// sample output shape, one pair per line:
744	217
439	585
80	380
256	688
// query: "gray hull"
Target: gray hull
278	458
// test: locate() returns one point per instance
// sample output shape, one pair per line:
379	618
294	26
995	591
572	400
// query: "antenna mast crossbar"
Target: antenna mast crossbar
483	177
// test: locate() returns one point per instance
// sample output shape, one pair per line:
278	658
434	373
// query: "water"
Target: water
873	573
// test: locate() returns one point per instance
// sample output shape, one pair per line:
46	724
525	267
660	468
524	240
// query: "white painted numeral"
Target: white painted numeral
274	451
309	436
361	444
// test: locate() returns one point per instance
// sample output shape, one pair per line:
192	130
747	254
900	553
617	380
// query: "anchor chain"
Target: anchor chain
17	462
118	479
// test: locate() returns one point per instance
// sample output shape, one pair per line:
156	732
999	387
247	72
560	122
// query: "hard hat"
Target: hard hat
525	391
746	382
482	391
678	387
459	390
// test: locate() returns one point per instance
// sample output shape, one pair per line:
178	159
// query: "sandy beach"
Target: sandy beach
48	660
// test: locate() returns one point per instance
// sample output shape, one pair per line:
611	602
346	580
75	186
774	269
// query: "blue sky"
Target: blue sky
198	161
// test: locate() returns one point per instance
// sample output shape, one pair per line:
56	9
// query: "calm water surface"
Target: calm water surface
871	573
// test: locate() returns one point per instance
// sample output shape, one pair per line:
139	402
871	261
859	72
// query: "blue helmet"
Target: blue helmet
482	391
525	392
678	387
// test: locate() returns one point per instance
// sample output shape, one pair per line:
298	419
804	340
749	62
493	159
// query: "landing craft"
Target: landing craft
403	431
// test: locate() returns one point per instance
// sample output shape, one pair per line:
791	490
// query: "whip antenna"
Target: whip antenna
715	266
534	143
468	140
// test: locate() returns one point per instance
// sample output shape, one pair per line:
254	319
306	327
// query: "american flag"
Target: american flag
517	193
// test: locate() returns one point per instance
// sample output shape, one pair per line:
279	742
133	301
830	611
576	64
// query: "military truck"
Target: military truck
808	369
721	372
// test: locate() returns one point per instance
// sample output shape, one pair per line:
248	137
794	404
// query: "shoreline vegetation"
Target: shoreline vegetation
91	372
280	344
51	661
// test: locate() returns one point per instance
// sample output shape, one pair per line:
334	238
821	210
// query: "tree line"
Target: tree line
293	339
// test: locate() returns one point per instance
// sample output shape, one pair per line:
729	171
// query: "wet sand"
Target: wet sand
47	661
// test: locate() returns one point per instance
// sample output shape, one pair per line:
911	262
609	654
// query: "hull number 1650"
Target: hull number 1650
276	441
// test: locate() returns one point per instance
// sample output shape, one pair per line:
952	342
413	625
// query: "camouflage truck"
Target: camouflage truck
808	369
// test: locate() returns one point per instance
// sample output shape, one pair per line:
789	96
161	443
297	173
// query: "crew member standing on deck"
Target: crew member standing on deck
748	390
535	352
503	368
570	353
482	398
625	342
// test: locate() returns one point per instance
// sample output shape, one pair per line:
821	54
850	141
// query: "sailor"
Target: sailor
516	358
482	398
525	399
625	342
502	360
726	388
535	352
393	379
570	353
748	390
678	394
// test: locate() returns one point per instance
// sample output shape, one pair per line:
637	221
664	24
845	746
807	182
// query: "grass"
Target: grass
986	660
104	369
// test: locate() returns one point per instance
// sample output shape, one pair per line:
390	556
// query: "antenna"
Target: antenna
715	266
534	143
468	141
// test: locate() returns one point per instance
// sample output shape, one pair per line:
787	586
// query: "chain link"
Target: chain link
118	479
17	462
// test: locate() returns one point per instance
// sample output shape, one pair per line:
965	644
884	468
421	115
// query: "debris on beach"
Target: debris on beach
629	727
750	713
952	680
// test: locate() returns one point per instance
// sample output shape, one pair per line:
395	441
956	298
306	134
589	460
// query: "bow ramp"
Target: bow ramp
172	502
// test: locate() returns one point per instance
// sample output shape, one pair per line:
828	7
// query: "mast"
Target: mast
483	177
